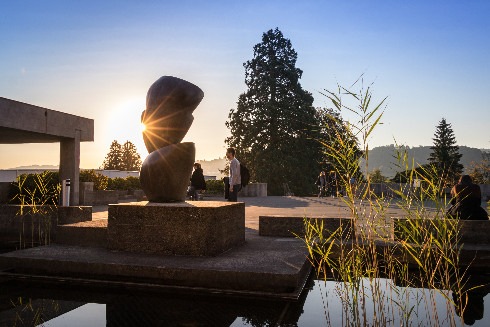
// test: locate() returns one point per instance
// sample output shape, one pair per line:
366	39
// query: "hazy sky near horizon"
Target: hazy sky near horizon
97	59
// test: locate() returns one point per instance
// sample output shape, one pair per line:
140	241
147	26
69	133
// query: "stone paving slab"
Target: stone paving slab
287	206
264	265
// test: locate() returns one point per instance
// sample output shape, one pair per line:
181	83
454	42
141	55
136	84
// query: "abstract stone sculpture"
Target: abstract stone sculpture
166	171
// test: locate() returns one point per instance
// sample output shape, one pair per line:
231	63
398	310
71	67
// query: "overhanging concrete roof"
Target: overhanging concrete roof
25	123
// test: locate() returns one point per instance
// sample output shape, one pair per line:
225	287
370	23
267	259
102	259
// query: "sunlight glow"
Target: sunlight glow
123	123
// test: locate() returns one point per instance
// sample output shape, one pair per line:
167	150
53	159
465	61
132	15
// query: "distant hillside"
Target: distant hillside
35	167
383	157
212	167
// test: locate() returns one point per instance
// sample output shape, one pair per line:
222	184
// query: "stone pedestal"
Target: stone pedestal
198	228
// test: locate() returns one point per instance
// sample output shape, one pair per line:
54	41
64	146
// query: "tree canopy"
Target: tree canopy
445	154
480	170
122	157
274	128
130	159
337	138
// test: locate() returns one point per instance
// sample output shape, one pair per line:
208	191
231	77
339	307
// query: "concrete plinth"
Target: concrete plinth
199	228
263	266
281	226
35	223
87	233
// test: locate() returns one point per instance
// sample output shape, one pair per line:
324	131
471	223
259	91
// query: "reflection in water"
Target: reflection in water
90	314
320	305
132	308
470	304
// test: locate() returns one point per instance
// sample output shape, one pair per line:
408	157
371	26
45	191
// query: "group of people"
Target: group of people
232	186
327	184
465	203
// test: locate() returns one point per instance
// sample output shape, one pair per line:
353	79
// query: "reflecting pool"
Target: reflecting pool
323	303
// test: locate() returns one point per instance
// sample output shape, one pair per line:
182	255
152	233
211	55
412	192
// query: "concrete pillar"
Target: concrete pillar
70	165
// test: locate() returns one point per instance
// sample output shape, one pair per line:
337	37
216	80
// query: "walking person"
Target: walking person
235	177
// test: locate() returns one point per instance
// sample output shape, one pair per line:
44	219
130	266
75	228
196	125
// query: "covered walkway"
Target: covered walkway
25	123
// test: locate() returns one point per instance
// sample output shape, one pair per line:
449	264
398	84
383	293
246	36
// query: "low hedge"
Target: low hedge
129	183
214	186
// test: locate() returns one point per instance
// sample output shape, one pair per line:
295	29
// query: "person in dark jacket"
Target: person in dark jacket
466	200
198	184
321	182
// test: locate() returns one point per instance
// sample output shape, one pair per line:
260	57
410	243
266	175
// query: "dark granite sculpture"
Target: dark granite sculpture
166	171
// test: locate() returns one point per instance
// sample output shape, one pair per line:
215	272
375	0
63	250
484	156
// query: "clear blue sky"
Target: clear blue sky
97	59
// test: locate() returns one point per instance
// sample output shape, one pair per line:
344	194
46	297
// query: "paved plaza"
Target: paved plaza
290	206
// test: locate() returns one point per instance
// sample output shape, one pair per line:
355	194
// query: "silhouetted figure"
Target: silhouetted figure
321	182
332	182
198	184
466	201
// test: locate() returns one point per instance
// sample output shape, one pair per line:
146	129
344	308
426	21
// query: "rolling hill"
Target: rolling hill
384	157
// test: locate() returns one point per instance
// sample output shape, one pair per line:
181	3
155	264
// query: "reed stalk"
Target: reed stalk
425	251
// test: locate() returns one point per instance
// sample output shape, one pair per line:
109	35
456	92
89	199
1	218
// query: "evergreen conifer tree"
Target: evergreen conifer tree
122	157
130	159
273	127
445	154
113	159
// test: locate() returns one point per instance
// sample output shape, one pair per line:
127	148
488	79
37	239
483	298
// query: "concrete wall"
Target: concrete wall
4	192
284	226
386	189
117	173
254	189
471	231
34	226
91	197
10	175
485	192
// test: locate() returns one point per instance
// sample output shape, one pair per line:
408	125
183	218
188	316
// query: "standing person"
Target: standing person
198	184
235	177
353	185
322	183
333	184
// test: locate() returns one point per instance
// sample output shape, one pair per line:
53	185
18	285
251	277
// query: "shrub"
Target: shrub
214	186
100	181
129	183
116	183
133	183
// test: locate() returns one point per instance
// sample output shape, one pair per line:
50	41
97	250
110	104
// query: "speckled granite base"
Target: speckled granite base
197	228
